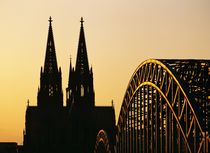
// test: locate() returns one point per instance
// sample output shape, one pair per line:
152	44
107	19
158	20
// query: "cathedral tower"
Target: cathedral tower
80	86
50	91
51	127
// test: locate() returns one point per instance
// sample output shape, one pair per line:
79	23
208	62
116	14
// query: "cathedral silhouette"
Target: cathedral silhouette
51	127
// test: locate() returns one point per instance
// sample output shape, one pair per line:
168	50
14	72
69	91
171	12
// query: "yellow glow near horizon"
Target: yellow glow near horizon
119	34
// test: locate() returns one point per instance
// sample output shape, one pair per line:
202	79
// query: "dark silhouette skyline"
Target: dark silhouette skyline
120	36
165	109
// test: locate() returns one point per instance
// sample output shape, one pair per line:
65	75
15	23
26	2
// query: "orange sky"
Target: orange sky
120	34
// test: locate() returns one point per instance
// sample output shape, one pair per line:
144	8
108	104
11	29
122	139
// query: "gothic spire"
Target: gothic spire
50	93
70	72
80	90
50	65
82	66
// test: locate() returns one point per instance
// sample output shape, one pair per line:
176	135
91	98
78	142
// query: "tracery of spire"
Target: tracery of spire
82	66
50	65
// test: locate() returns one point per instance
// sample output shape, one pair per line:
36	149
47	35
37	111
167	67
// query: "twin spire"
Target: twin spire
80	78
50	65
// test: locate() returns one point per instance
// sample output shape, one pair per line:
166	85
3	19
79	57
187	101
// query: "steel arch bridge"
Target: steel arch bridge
166	108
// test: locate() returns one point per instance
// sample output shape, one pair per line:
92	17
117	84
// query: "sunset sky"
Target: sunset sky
120	34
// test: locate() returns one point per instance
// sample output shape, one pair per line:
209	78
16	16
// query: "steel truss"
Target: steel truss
102	143
163	109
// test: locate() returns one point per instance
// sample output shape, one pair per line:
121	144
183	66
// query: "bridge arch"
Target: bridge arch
158	114
102	143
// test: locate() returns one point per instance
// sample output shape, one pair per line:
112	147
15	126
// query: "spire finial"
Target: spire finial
50	20
81	21
70	61
70	57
